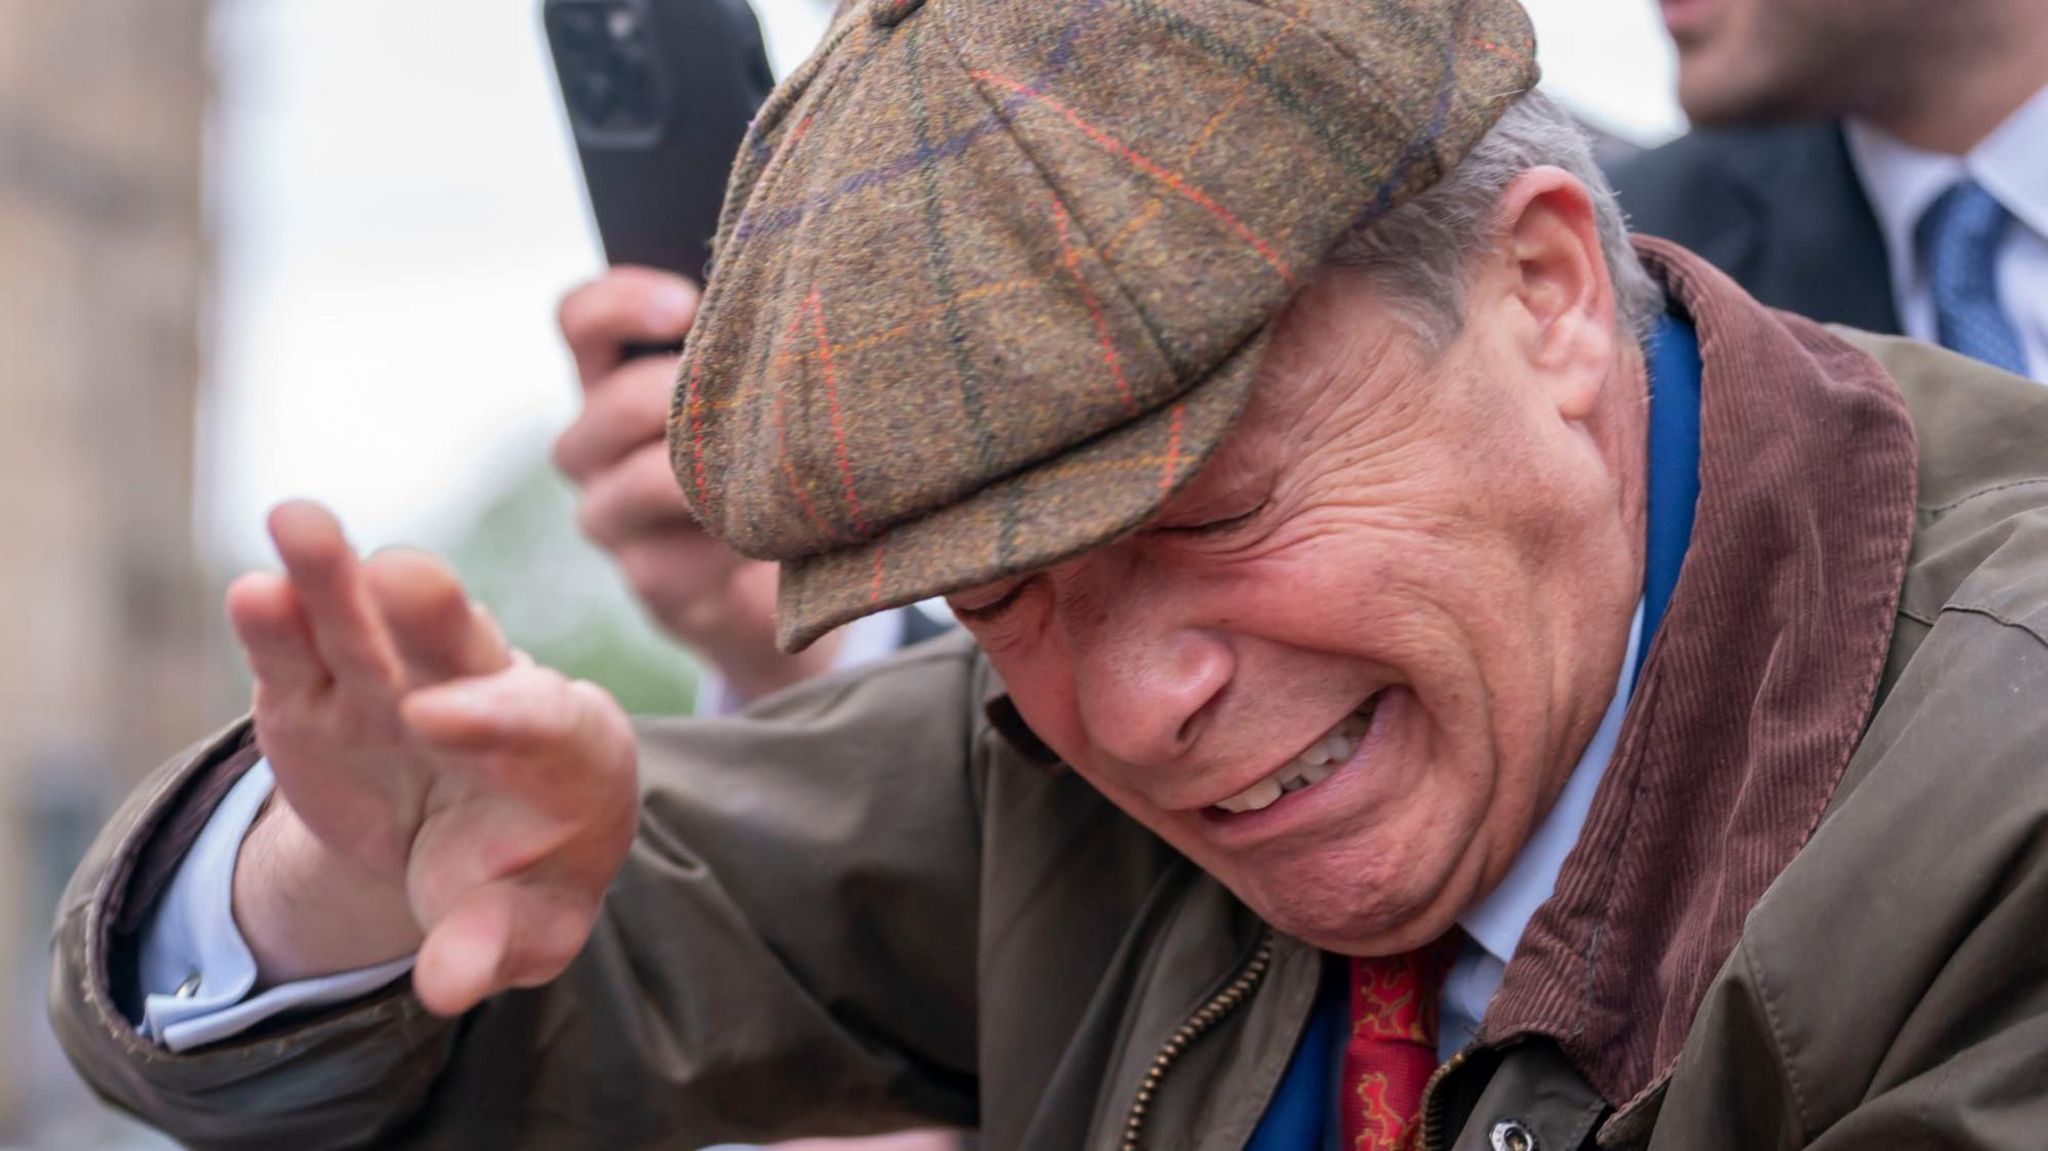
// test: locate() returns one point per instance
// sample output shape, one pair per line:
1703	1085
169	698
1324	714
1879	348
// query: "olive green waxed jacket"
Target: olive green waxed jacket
1809	908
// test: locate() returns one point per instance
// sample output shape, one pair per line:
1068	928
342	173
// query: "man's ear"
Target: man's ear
1554	275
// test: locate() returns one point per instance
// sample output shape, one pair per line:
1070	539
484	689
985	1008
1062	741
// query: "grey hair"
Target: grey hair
1420	252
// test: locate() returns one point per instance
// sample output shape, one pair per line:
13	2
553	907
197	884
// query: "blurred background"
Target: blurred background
255	249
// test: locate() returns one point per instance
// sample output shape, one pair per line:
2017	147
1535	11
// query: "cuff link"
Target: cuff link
189	988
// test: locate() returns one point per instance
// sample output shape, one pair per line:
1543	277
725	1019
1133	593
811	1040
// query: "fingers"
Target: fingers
626	305
526	714
638	495
562	753
331	595
274	634
688	581
437	631
629	411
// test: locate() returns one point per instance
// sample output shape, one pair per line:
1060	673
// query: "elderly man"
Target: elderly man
1436	674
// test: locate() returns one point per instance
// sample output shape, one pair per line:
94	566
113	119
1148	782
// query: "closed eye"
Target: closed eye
994	609
1214	527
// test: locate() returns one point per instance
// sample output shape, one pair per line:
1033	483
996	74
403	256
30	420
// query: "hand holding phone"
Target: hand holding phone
707	597
659	93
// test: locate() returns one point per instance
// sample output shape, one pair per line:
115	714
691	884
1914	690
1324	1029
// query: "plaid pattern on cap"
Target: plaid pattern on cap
994	275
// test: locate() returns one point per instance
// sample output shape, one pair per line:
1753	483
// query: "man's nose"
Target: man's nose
1146	692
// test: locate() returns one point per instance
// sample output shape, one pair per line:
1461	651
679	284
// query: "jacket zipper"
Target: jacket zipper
1219	1005
1433	1106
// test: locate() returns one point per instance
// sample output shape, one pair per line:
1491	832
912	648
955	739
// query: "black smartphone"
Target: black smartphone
659	94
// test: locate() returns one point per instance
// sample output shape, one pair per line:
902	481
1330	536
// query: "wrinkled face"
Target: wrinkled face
1349	667
1751	60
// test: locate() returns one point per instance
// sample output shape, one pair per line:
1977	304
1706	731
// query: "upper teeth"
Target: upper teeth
1318	763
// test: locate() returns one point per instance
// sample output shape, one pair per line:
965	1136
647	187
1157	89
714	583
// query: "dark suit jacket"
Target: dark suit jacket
1779	209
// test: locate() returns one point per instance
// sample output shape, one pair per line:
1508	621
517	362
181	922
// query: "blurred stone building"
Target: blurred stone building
103	288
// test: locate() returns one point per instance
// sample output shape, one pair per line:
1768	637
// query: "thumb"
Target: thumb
499	935
464	952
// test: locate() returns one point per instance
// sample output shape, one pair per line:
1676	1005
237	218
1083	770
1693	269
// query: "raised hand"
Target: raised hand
715	602
436	790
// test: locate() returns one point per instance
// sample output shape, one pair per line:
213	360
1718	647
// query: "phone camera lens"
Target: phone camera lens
578	28
596	96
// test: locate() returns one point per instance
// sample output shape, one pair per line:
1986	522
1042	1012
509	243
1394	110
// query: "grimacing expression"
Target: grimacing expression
1422	565
1758	60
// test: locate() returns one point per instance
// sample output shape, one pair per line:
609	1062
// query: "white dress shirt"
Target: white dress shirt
2011	163
197	970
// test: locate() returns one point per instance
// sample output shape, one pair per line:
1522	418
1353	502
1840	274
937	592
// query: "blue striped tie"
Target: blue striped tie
1958	241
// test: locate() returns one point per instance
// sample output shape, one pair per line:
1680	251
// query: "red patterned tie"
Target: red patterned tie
1392	1050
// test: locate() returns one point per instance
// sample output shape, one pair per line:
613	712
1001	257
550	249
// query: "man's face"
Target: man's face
1403	583
1757	60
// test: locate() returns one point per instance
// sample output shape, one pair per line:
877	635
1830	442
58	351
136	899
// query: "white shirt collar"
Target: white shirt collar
1902	181
1497	921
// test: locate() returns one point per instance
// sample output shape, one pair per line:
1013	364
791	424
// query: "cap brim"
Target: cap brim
1052	511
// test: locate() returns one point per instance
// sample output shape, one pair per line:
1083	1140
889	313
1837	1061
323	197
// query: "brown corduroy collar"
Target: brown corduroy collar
1753	696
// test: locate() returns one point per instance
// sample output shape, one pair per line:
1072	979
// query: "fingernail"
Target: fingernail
674	305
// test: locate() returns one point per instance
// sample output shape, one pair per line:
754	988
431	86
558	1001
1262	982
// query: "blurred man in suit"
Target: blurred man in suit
1878	163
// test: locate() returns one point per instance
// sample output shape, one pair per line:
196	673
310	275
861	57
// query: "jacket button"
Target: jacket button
1511	1135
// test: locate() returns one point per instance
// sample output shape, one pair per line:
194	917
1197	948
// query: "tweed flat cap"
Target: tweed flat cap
993	276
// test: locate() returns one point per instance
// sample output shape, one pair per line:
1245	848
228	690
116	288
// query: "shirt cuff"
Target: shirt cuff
197	970
868	639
